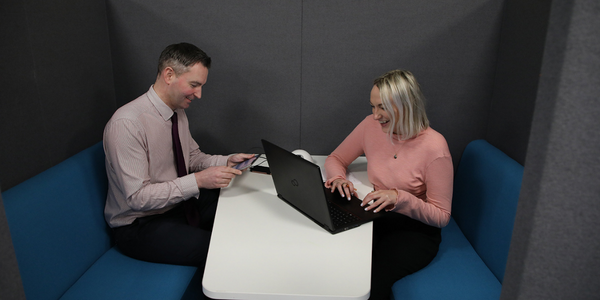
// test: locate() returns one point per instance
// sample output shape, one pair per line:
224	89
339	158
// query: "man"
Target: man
161	201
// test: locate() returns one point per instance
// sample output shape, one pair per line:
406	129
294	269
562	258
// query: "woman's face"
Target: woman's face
379	112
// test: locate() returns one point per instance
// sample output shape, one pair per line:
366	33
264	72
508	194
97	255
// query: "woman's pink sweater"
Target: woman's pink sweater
422	173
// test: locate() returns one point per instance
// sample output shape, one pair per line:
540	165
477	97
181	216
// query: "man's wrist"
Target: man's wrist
189	185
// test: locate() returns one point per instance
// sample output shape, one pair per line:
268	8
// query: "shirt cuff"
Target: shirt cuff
189	187
222	161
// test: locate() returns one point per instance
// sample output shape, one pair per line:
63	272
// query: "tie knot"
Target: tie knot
174	117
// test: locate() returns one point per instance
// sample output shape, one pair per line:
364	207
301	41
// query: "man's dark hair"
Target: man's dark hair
181	57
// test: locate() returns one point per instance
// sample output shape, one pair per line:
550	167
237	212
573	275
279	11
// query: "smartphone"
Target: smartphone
243	165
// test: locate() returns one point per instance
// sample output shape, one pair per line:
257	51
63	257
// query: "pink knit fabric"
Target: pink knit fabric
422	173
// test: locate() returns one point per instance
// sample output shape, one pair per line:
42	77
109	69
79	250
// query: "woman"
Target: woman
410	168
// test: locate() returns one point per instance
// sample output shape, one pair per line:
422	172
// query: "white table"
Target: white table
262	248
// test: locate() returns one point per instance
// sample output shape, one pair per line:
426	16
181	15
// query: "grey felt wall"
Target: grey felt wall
450	48
10	278
253	88
555	249
295	72
57	84
522	38
299	73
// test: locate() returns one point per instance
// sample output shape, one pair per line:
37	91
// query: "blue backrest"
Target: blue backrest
487	184
57	223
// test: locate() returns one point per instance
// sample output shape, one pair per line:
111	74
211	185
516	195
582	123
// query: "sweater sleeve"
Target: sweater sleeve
338	161
435	209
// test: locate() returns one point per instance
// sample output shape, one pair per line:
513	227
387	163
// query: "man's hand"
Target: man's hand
216	177
238	158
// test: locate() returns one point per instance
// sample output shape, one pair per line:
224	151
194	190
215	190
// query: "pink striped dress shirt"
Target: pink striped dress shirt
142	175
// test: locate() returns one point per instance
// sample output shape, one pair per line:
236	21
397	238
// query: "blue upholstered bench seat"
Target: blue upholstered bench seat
474	249
63	245
457	272
116	276
64	249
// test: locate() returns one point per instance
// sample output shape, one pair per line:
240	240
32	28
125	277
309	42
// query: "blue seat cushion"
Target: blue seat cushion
57	223
486	193
457	272
116	276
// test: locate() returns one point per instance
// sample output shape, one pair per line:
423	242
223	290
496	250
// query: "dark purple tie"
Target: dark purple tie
191	212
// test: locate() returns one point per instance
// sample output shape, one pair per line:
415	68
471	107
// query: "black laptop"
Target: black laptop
299	183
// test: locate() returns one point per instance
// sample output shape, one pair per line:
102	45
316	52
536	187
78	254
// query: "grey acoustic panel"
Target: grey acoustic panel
253	87
555	250
10	278
58	87
450	47
522	40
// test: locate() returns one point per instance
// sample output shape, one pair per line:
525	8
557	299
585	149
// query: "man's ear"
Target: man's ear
168	74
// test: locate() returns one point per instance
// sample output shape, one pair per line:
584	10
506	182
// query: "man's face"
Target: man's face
183	89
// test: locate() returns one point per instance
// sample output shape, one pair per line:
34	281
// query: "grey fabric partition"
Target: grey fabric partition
10	278
253	87
555	249
57	86
299	73
450	47
522	38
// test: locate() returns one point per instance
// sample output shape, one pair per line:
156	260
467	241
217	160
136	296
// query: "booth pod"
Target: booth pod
64	248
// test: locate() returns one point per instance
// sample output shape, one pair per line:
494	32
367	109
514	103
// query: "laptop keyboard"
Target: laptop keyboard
340	217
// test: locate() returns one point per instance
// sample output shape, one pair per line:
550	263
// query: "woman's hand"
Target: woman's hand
345	187
379	200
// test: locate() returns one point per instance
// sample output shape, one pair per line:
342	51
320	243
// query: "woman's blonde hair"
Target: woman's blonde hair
399	89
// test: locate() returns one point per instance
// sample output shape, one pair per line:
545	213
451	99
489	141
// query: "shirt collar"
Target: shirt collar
163	109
